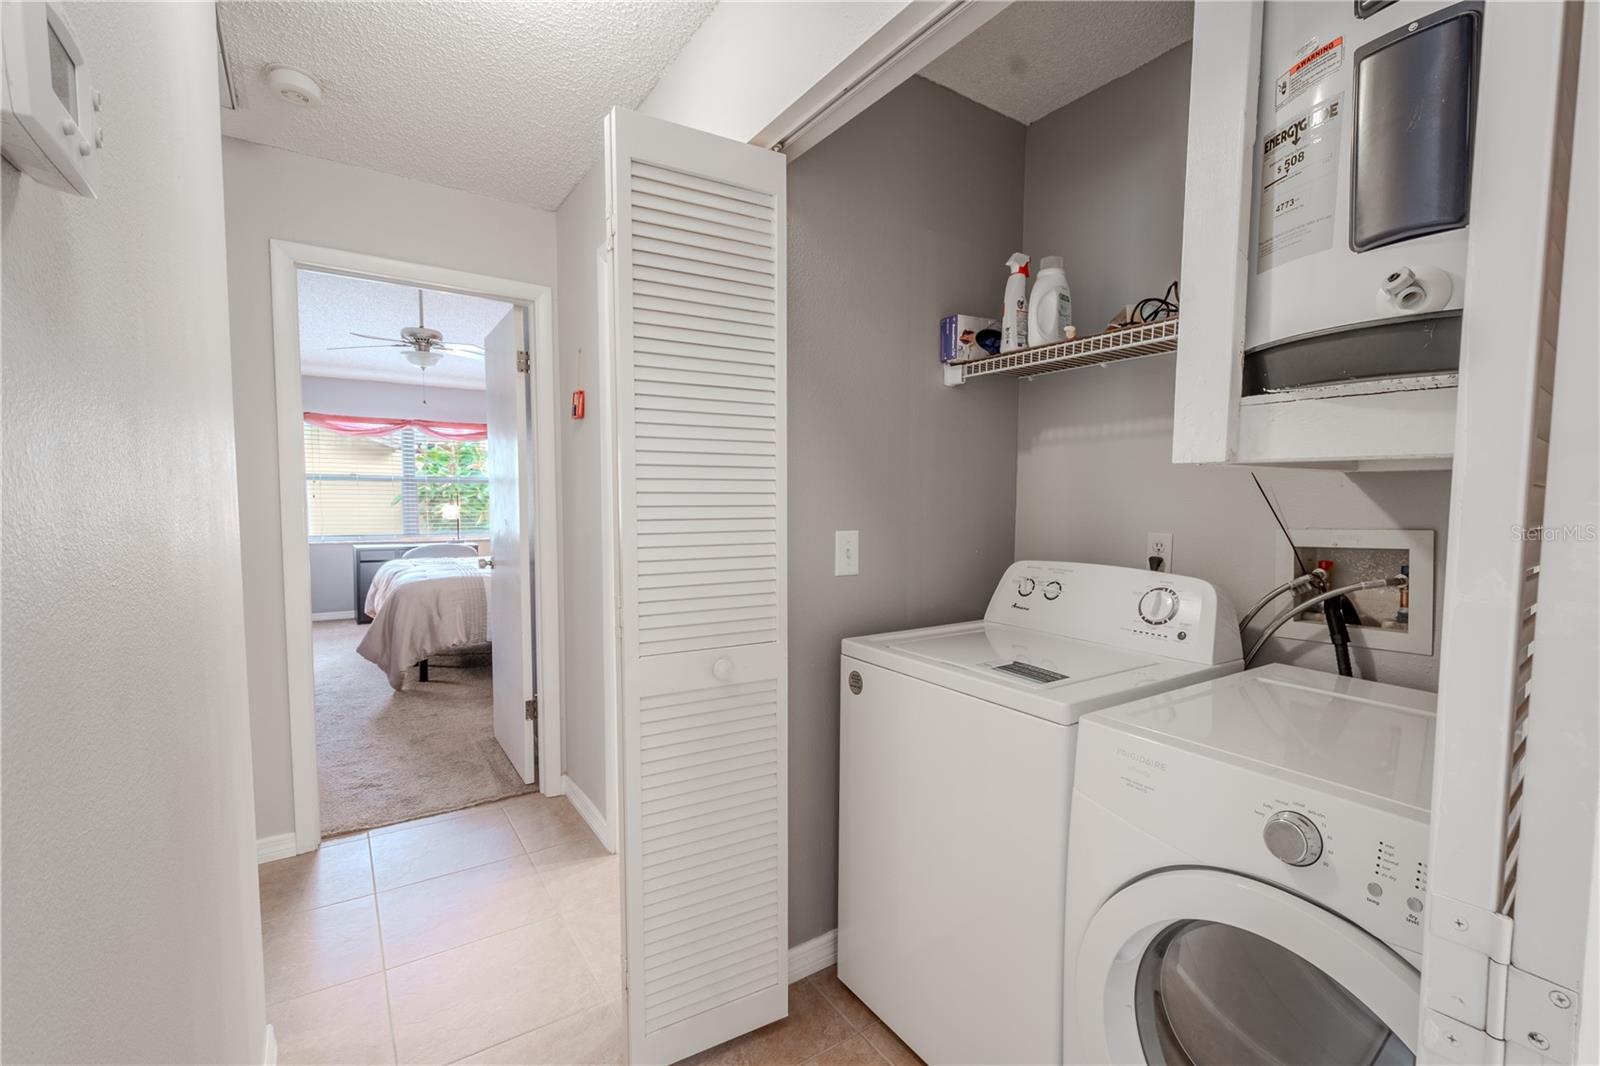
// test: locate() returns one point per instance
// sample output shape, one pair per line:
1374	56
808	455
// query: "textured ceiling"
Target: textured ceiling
1035	57
332	306
503	99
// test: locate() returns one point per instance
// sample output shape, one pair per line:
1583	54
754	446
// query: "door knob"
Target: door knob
722	669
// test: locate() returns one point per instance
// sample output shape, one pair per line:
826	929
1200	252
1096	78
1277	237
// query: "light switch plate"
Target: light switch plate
846	552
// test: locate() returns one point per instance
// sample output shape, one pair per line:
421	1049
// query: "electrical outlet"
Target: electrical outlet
846	552
1159	546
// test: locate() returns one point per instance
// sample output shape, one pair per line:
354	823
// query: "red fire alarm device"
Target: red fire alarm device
577	404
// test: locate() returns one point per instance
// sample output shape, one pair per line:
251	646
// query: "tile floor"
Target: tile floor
827	1026
490	935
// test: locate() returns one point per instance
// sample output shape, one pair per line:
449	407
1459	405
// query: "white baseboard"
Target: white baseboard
591	814
333	616
815	954
269	1048
281	846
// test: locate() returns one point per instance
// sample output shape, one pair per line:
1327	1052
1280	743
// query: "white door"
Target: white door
698	332
1203	966
511	579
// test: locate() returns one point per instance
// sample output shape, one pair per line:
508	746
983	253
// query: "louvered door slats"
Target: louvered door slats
699	268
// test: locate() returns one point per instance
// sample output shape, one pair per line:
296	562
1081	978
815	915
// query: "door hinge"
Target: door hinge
523	362
1542	1015
530	710
1473	979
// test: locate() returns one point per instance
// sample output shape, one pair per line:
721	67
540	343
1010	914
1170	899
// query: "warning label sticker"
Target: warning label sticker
1299	180
1312	63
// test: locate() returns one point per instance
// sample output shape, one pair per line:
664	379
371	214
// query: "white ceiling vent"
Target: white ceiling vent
294	86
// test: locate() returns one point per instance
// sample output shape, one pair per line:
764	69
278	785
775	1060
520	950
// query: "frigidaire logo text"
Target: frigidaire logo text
1154	764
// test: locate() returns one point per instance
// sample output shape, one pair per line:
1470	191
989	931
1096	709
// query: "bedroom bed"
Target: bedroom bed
421	607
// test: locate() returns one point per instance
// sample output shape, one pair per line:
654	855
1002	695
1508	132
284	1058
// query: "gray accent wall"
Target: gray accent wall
1104	189
130	915
390	399
904	215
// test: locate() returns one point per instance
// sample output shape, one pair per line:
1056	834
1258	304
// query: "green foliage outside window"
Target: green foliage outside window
451	459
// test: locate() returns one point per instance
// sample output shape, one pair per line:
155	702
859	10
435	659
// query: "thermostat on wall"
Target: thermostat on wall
51	129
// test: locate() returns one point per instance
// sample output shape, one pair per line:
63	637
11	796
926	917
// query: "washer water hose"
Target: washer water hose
1339	634
1300	608
1318	577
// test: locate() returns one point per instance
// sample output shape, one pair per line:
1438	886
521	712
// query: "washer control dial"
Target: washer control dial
1158	606
1292	838
1052	589
1025	586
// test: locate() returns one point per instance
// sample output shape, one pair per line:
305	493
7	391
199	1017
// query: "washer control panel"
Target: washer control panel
1172	615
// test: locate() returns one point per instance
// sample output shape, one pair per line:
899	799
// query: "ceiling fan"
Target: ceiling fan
424	347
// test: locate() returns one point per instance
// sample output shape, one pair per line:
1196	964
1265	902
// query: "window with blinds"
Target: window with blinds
404	483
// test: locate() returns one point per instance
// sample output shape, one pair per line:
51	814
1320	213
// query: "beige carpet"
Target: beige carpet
385	756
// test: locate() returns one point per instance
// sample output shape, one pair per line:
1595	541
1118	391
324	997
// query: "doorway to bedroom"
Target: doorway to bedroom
409	405
398	507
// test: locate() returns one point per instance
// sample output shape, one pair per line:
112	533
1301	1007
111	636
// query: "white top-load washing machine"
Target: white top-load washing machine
1246	873
956	748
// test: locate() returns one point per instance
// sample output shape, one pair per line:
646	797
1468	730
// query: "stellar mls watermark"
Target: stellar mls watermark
1578	532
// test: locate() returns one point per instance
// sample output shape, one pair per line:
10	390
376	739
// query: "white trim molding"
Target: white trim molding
287	258
277	846
814	956
269	1047
591	814
333	616
914	37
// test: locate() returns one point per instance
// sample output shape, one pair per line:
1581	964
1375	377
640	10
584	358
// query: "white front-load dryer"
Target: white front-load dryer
1246	874
955	767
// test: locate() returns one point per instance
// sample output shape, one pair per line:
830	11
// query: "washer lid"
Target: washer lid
1021	656
968	657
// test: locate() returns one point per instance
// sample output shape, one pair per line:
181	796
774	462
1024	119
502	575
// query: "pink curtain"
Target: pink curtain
361	426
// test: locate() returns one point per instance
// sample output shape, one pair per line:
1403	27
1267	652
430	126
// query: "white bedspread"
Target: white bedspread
420	607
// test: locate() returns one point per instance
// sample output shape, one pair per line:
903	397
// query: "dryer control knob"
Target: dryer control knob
1025	586
1292	838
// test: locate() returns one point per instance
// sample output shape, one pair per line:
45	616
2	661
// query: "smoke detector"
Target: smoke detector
294	86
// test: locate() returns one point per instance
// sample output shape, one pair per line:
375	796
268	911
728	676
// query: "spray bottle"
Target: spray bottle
1014	322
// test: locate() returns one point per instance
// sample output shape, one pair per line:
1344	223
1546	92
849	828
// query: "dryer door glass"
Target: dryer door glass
1213	993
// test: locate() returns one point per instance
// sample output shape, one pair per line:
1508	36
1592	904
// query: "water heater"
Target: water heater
1361	190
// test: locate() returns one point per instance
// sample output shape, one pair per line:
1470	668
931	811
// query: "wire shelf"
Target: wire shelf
1135	342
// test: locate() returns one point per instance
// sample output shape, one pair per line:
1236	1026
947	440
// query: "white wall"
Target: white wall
748	62
580	232
1094	469
276	194
130	915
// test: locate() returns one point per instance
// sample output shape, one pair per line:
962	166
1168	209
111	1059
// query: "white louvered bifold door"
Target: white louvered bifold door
1493	632
698	295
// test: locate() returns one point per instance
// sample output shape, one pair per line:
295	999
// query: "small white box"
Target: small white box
963	338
